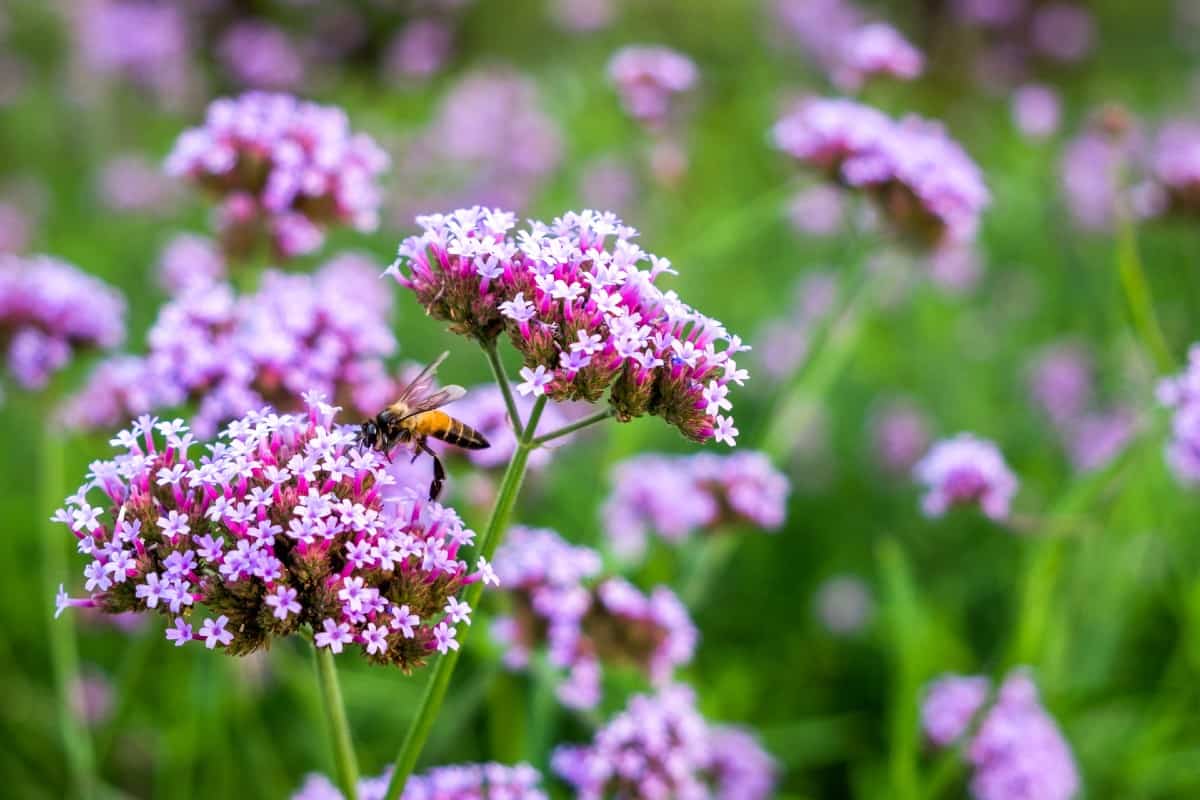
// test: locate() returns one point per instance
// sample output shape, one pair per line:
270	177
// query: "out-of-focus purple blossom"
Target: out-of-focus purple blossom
284	167
490	781
1017	750
326	332
584	624
1036	110
584	314
1063	31
677	497
261	56
490	143
658	747
609	183
649	80
783	345
281	524
131	183
1181	394
143	42
188	263
956	268
900	433
877	49
990	13
966	470
844	604
91	697
419	51
1096	439
50	310
820	27
16	227
1060	381
950	704
819	210
1175	164
1100	169
667	159
583	16
923	182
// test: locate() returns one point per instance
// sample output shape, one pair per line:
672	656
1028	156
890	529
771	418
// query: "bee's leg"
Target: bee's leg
439	472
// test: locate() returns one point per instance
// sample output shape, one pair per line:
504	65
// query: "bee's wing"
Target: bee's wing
444	396
420	384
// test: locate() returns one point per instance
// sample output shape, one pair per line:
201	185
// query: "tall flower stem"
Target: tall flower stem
1138	298
501	377
339	727
439	682
63	651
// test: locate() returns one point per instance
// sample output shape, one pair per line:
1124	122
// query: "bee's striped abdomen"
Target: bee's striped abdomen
441	425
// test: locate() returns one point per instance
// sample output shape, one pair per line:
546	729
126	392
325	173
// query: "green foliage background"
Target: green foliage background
1099	596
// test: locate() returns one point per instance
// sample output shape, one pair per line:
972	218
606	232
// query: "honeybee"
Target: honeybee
415	416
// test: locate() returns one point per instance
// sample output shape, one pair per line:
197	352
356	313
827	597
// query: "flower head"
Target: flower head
966	470
578	305
925	184
584	623
268	531
660	746
282	166
458	782
949	705
1181	394
676	497
648	79
877	49
49	310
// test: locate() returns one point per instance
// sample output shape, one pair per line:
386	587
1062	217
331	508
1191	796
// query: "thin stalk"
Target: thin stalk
501	376
599	416
1138	297
339	727
710	556
64	654
443	669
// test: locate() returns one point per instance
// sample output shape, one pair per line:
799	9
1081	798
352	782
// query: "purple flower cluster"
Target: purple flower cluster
326	332
649	80
966	470
660	746
922	181
1175	165
584	623
143	42
49	310
1017	749
1181	394
284	167
1018	36
584	314
458	782
677	497
836	36
1036	110
131	183
261	56
490	142
280	525
419	50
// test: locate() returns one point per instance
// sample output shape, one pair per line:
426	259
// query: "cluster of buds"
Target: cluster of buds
680	496
1016	749
923	182
49	310
459	782
660	746
327	332
284	167
966	470
581	311
649	80
284	523
557	602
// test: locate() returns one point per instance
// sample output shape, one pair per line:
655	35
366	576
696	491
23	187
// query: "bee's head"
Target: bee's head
368	434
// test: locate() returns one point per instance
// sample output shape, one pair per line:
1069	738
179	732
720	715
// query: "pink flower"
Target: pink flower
966	470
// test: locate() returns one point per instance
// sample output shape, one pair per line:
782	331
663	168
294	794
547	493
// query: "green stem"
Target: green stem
439	681
63	651
339	726
501	376
1138	297
599	416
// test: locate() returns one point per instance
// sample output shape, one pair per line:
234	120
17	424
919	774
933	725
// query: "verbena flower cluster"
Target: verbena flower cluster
458	782
283	523
923	182
1018	34
677	497
966	470
660	746
326	332
145	43
282	166
584	623
1016	750
50	310
1181	394
649	80
583	313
